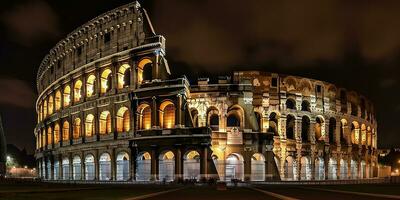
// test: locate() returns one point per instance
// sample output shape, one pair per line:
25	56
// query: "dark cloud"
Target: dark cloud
32	21
16	93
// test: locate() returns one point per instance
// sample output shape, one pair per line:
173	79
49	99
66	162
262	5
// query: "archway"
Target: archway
124	77
106	82
234	168
332	169
89	167
48	170
56	168
90	85
319	168
305	129
66	96
76	168
143	167
343	169
257	167
89	125
363	170
290	168
290	104
122	166
77	90
290	125
167	114
105	167
332	130
144	119
167	166
65	168
145	70
354	169
191	165
123	120
305	173
273	124
105	123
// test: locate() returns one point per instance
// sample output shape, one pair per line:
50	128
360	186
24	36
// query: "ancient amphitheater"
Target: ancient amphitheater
109	111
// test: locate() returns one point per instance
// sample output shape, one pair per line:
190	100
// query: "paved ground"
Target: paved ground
155	192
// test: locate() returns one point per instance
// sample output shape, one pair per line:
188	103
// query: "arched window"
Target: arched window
233	120
124	77
89	125
65	131
305	129
144	118
77	91
123	120
56	133
354	109
77	128
40	112
195	117
44	137
355	132
290	124
45	109
343	126
273	124
49	136
106	81
290	104
167	114
332	130
145	70
122	166
90	85
105	167
213	119
259	121
89	167
305	106
235	117
58	100
51	105
105	123
319	127
67	96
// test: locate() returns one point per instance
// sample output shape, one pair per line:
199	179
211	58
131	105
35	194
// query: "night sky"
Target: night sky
354	44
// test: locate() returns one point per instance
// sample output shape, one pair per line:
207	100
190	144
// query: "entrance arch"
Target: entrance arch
332	169
143	167
234	168
167	166
191	165
65	168
305	168
257	167
122	166
76	168
319	168
343	169
105	167
89	167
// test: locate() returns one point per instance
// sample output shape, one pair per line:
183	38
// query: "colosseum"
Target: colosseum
108	110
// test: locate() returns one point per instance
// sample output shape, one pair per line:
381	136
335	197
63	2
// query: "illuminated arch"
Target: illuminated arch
213	118
58	100
167	166
143	166
77	90
89	125
105	167
144	119
258	167
332	130
56	133
77	128
191	165
122	162
89	167
319	128
49	136
45	109
355	132
51	105
234	167
76	168
105	123
305	129
273	124
290	127
167	114
195	117
66	131
235	117
363	134
124	76
145	70
106	82
90	85
123	120
67	96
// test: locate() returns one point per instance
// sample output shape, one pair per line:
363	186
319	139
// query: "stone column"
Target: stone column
178	164
204	162
178	113
154	165
133	164
154	113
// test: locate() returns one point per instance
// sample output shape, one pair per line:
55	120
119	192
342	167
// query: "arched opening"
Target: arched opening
67	96
144	118
343	126
332	130
363	170
305	106
213	119
58	100
259	121
234	168
122	166
89	125
167	114
65	168
44	137
76	168
354	109
343	169
105	167
105	123
49	136
45	109
355	133
77	128
257	167
167	166
354	169
195	117
332	169
40	112
90	85
44	169
56	133
145	70
143	167
290	104
191	165
305	173
66	131
319	128
106	81
56	168
290	168
77	91
363	134
319	168
305	129
124	76
273	124
51	105
89	167
233	120
123	120
290	124
48	169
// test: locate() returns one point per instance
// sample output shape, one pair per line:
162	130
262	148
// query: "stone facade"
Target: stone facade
108	111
